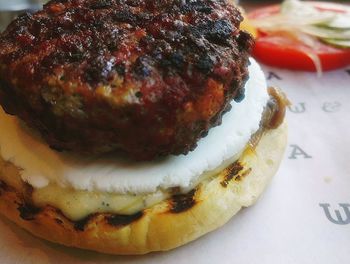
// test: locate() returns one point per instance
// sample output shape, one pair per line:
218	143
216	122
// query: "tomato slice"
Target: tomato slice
279	51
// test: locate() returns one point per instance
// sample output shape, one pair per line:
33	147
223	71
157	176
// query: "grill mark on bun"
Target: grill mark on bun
182	202
81	224
232	172
28	211
117	220
4	187
59	221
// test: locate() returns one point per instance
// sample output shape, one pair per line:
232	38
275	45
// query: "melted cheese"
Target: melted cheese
76	204
106	178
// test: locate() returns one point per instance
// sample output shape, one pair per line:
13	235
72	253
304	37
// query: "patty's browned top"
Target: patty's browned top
148	77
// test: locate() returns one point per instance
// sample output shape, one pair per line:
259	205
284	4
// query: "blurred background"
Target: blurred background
9	9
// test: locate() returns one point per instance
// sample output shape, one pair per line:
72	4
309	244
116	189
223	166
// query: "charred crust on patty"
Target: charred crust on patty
91	75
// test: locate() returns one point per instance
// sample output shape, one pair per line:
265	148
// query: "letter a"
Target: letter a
339	220
297	151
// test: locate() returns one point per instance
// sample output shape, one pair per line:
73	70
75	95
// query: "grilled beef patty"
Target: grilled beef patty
146	77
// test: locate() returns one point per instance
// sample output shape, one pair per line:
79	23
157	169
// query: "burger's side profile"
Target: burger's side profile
129	127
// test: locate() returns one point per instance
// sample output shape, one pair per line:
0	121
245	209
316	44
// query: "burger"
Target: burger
131	126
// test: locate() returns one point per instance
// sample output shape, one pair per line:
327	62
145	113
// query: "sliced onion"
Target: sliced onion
305	24
315	60
338	43
300	16
329	33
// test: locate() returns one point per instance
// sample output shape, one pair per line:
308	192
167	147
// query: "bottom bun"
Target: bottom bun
166	225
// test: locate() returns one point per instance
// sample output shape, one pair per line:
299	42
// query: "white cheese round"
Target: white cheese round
41	165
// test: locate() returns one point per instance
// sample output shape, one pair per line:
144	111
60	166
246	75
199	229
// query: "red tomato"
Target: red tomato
279	51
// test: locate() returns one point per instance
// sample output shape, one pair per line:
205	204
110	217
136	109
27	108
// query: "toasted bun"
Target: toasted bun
164	226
